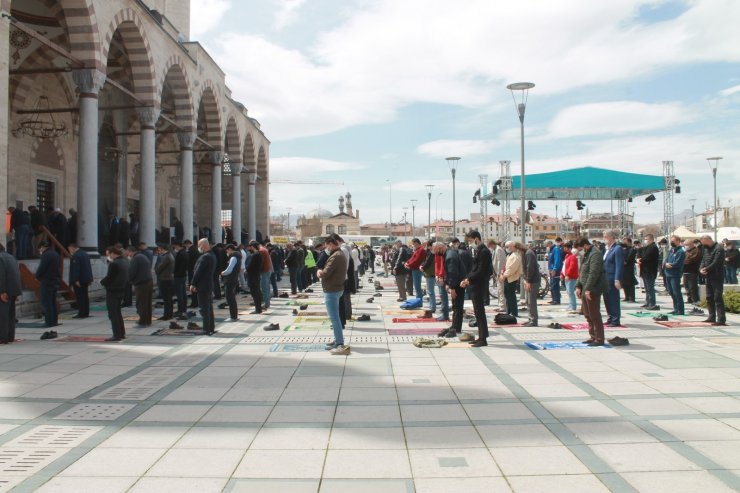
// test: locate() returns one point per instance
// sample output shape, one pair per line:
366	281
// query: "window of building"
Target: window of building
44	195
226	218
342	229
329	229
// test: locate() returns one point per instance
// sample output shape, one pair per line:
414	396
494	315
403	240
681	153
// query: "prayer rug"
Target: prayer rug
81	339
321	320
584	326
683	324
412	332
656	313
549	345
415	320
302	302
177	332
398	311
325	326
297	348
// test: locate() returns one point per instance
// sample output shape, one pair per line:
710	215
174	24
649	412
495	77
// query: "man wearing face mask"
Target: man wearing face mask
613	266
115	286
202	285
673	268
590	286
712	269
477	279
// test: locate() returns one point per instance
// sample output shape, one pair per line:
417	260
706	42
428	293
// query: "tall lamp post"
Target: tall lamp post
436	207
429	210
413	217
287	230
523	89
714	175
405	225
390	209
452	162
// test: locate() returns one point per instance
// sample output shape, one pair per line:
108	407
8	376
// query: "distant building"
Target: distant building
321	222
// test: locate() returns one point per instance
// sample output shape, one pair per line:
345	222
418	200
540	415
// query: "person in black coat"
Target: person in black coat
712	268
140	276
114	283
220	254
202	285
80	278
478	278
181	278
254	273
179	230
58	227
628	274
10	289
193	255
291	262
648	263
48	275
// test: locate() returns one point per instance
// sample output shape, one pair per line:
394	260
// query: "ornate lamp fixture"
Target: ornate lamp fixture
41	123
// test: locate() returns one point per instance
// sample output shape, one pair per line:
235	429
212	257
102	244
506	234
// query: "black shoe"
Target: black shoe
223	305
718	324
175	326
645	305
661	318
295	312
303	307
673	312
113	339
479	343
164	318
710	320
441	333
309	290
450	334
363	318
529	324
653	308
614	324
271	327
44	336
596	343
369	300
378	295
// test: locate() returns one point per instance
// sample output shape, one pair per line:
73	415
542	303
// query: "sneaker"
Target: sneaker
330	345
271	327
194	326
653	308
228	320
342	350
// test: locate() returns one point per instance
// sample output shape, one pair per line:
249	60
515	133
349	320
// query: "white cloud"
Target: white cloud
287	12
463	148
616	117
205	15
730	91
309	169
389	54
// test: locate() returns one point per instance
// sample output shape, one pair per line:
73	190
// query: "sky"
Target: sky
367	94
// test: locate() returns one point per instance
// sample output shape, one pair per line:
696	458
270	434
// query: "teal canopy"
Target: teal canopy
587	183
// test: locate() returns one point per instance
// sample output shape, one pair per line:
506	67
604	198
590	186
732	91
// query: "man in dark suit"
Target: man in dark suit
648	263
628	275
202	285
80	278
180	277
614	267
10	289
455	273
254	274
115	283
48	275
140	276
532	280
477	279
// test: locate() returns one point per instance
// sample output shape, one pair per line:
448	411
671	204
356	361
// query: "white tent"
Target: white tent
685	233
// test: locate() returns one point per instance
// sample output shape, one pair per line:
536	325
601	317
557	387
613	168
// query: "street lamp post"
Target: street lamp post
287	229
452	162
413	217
436	207
714	175
429	210
405	225
521	106
390	209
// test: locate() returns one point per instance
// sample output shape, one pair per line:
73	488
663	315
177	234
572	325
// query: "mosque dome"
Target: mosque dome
318	213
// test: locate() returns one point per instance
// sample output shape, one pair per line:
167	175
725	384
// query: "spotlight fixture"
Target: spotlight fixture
475	196
677	189
580	205
495	202
495	189
650	198
629	199
531	206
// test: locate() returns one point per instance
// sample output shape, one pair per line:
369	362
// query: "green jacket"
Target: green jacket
592	276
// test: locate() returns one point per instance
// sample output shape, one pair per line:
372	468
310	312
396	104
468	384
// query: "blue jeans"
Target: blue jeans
570	286
265	288
444	300
331	300
612	303
730	275
649	290
674	288
416	276
430	291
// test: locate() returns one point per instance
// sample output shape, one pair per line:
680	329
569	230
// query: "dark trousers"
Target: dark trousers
216	285
592	312
293	274
143	294
7	320
166	291
532	301
128	297
554	288
113	304
181	294
715	303
611	303
345	307
457	308
83	300
628	285
510	294
674	289
254	289
691	283
273	282
205	303
312	275
49	304
230	288
401	284
477	295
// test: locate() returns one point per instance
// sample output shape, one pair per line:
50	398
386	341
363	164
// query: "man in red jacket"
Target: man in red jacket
439	274
570	275
414	265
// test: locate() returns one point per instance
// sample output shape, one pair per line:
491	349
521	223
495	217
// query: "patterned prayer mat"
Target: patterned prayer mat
297	348
549	345
584	326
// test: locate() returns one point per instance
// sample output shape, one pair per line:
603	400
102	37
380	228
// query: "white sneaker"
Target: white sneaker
340	350
231	320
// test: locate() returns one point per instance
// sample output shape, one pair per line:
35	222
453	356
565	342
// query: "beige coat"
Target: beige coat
513	267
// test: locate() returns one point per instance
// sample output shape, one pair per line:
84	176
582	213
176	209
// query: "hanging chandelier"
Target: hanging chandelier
41	123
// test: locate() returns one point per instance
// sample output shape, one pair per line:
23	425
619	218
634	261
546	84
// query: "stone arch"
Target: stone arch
263	192
133	33
248	156
175	75
209	126
233	141
80	21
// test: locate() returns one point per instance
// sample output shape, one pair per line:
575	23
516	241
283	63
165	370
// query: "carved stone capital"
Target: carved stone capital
88	81
187	139
236	168
216	157
148	116
252	176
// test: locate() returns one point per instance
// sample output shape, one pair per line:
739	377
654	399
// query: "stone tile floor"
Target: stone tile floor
233	413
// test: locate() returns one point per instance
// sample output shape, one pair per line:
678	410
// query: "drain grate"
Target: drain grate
260	340
54	436
18	462
143	385
96	412
359	339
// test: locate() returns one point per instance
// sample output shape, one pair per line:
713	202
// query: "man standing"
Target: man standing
649	271
673	268
570	276
193	255
554	266
48	275
20	224
499	262
254	274
691	271
414	266
732	262
231	281
591	284
80	278
428	268
478	279
115	282
165	271
532	279
712	269
439	278
179	230
180	277
140	276
10	289
628	274
614	267
291	262
399	260
202	285
455	273
265	276
333	276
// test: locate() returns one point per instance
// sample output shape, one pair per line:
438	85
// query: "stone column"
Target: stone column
186	183
89	82
4	116
252	199
147	195
216	157
236	201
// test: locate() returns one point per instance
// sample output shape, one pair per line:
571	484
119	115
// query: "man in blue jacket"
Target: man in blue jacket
554	266
673	268
614	267
80	278
48	275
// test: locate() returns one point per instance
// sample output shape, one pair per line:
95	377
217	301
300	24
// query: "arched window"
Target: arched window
329	229
342	229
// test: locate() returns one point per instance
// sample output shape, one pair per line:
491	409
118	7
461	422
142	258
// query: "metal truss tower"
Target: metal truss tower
506	188
483	207
669	179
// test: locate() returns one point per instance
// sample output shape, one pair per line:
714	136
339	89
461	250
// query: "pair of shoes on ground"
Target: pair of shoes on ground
555	325
363	318
338	349
661	318
194	326
175	326
714	322
49	334
427	314
619	341
283	295
271	327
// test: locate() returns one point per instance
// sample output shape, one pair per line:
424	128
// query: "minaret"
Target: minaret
349	203
341	204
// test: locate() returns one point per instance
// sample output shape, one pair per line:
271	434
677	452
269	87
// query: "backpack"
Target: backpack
504	319
412	303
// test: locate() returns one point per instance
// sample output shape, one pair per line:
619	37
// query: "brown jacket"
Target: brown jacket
334	272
